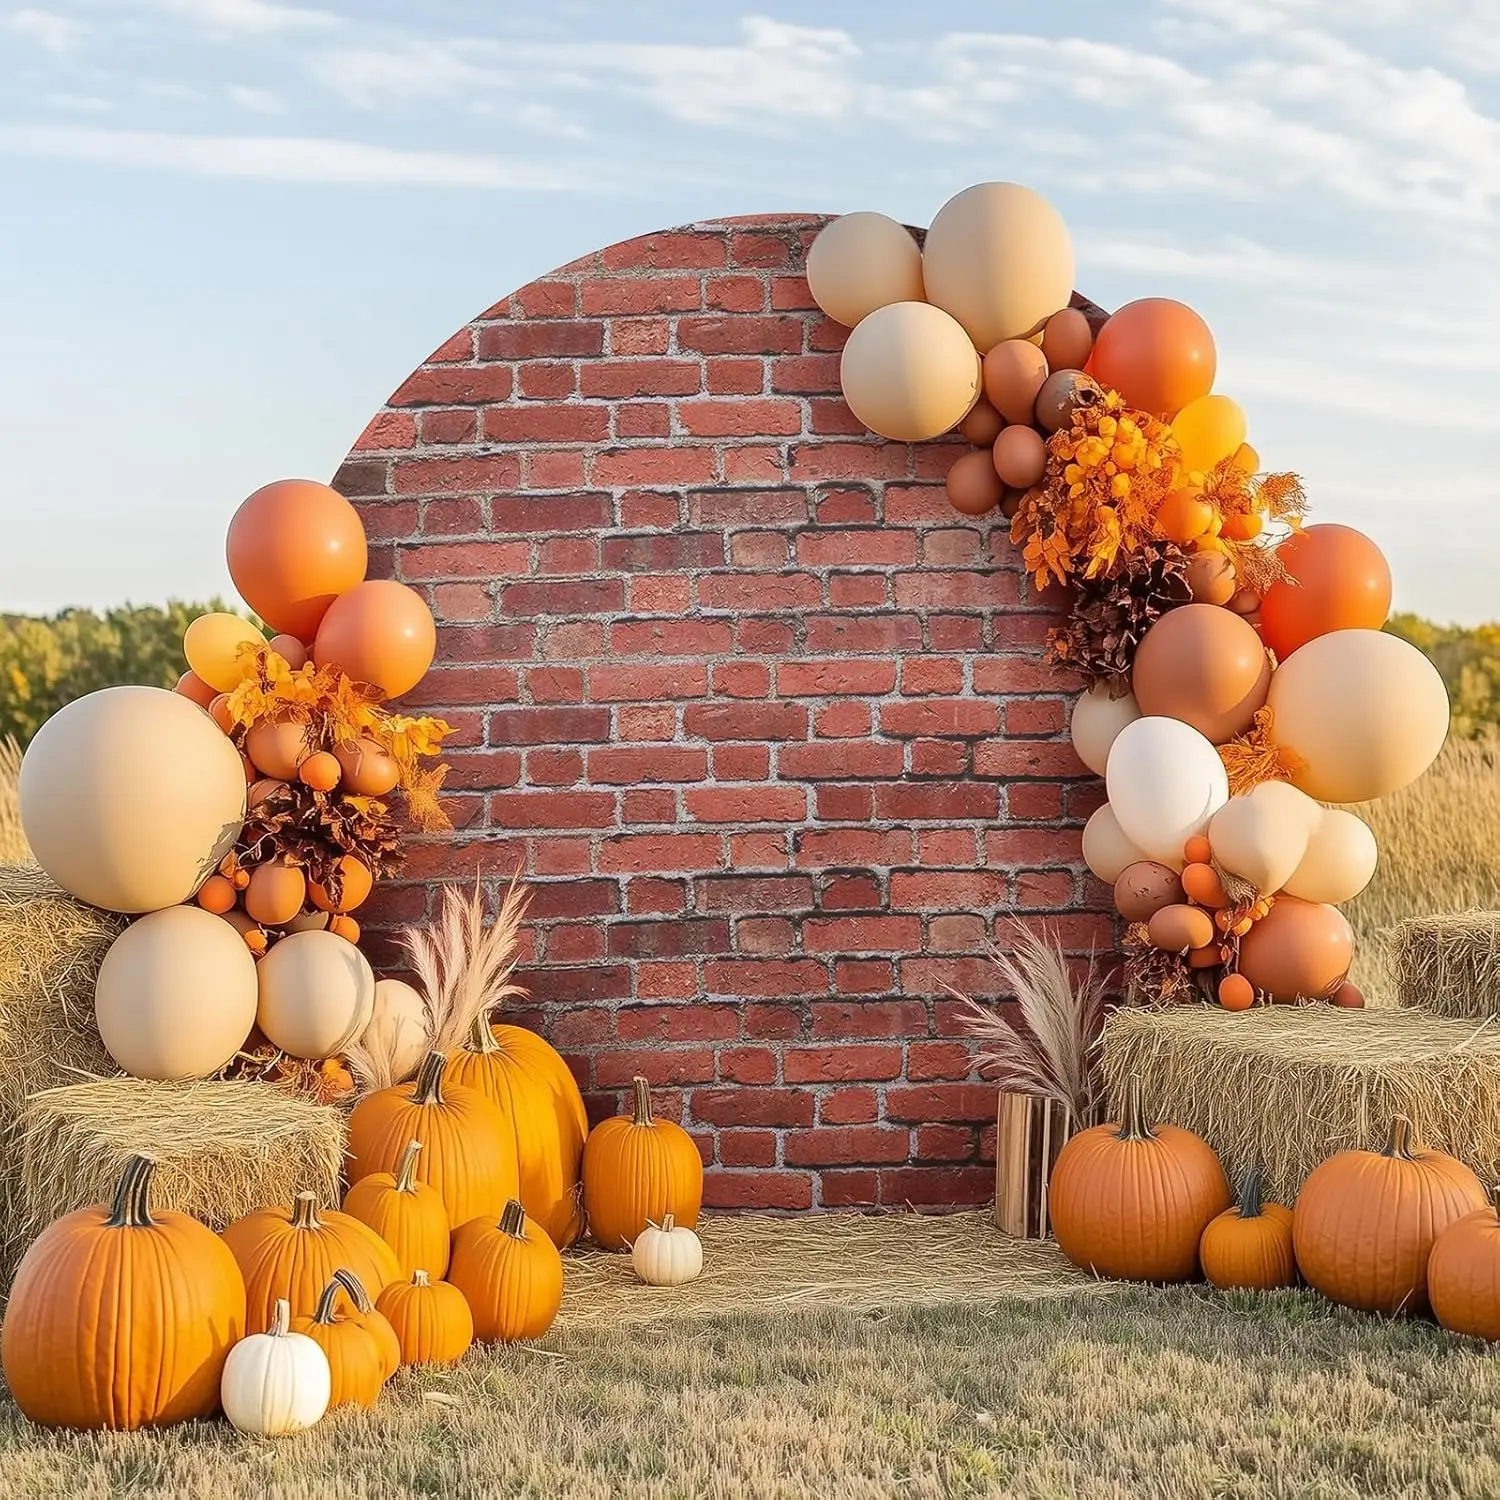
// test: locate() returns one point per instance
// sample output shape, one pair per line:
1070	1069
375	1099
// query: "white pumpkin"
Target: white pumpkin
276	1382
665	1255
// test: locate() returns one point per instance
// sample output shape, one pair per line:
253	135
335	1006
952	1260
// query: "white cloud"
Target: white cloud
369	77
258	101
83	104
56	34
248	17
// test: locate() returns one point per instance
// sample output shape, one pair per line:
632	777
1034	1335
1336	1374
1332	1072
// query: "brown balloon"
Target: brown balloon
1067	340
1245	601
1299	951
1210	577
973	486
1010	502
1144	888
982	426
1013	375
1180	929
1204	666
1349	996
1020	457
1061	392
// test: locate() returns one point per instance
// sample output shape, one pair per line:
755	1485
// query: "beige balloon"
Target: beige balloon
130	797
1263	835
998	257
1106	850
1340	860
398	1027
1097	720
863	261
909	372
175	995
1365	712
317	994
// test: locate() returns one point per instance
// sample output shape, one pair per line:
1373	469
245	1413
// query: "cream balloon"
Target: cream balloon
1263	835
175	995
317	994
398	1027
1106	850
1097	719
1165	783
1340	860
130	797
860	262
212	645
909	372
1364	713
998	258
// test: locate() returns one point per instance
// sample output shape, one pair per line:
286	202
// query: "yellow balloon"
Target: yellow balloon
1247	459
1208	431
212	644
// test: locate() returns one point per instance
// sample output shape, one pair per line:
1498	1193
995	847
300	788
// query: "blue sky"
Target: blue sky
229	228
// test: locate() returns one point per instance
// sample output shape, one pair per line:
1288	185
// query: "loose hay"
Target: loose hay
857	1263
1287	1086
223	1148
1449	964
14	850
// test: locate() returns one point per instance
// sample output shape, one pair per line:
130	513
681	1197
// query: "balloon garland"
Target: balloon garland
1239	688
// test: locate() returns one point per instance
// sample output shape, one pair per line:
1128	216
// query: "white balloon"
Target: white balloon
1097	720
1106	850
1340	860
1262	836
1165	782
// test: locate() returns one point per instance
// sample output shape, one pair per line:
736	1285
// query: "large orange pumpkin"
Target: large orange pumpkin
510	1274
468	1149
1365	1221
1463	1273
636	1170
121	1317
1132	1200
530	1084
362	1348
292	1253
408	1215
1249	1245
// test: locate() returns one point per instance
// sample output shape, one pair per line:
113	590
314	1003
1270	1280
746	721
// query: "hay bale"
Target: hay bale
1449	964
14	850
1287	1086
223	1149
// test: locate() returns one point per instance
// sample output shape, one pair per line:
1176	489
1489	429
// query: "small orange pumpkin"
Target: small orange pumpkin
408	1215
363	1353
432	1319
510	1274
1249	1245
636	1171
1463	1273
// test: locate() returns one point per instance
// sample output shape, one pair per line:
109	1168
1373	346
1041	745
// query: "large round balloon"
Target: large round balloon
998	258
175	995
130	797
1300	951
1340	859
212	645
1158	354
380	633
1263	835
317	994
1106	850
1362	712
1338	579
1208	431
294	547
1205	666
1165	783
909	372
860	262
1098	717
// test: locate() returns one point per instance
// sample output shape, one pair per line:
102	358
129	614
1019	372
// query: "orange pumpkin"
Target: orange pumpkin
636	1170
530	1084
432	1320
510	1275
1249	1245
293	1253
121	1317
1365	1221
362	1348
408	1215
1132	1200
1463	1273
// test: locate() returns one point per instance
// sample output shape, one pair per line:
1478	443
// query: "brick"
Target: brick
426	561
553	809
526	515
748	507
539	380
676	1023
843	720
562	422
755	893
633	684
653	466
863	976
772	1021
545	726
579	597
838	760
740	762
938	1060
746	591
747	1065
936	1187
637	336
749	721
665	980
949	759
847	1145
886	1018
747	1148
937	890
687	549
854	1106
830	677
663	1066
618	379
848	549
548	299
769	978
571	338
947	802
946	1143
619	765
653	294
771	334
740	418
1012	759
669	939
445	476
859	934
650	853
455	385
864	633
753	1106
644	894
771	936
940	1101
834	1064
735	679
756	1189
964	717
728	376
766	804
850	1189
667	251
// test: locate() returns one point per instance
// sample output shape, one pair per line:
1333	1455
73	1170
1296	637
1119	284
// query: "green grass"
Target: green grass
1172	1393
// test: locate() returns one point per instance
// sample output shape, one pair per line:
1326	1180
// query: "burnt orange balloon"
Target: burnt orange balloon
1013	374
1236	992
1349	996
1201	883
1205	666
380	633
1299	951
191	685
1158	354
1020	457
973	486
1342	582
294	547
982	426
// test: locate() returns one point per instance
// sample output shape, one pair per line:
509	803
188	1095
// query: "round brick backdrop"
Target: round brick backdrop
765	724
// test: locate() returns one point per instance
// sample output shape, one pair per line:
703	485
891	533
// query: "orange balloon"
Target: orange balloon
1158	354
1202	884
191	685
1343	582
380	633
1300	951
1184	516
1197	850
294	547
1236	992
973	486
1205	666
355	885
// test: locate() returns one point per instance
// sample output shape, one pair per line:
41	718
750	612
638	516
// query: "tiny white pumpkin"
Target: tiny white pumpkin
276	1382
665	1255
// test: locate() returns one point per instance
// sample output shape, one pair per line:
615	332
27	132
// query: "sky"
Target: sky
230	228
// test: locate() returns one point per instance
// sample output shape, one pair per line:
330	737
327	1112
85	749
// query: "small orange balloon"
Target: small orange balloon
1210	578
973	487
380	633
982	426
289	649
1176	929
345	927
1067	340
1158	354
1184	516
355	885
217	895
191	685
1197	850
1201	883
1020	457
218	711
1337	579
1243	526
1349	996
1207	957
1013	374
321	771
256	941
1236	992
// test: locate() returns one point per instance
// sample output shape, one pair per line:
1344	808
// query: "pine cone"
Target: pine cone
1111	615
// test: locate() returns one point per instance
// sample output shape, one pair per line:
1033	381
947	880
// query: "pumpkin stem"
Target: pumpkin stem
481	1038
429	1088
305	1212
668	1223
406	1177
642	1101
281	1319
131	1208
513	1221
1399	1143
1251	1194
341	1281
1134	1127
420	1278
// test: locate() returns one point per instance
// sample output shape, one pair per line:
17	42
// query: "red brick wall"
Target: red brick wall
762	719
